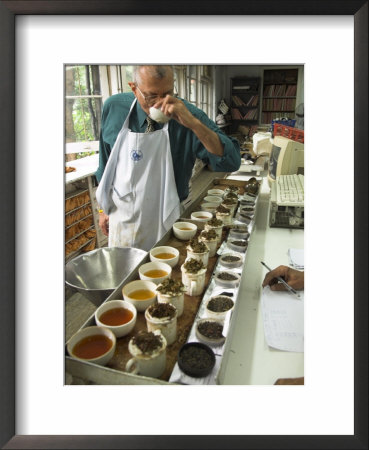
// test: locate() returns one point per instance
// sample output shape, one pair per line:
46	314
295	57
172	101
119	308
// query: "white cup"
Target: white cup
175	300
148	365
202	257
226	218
218	231
212	245
167	326
193	282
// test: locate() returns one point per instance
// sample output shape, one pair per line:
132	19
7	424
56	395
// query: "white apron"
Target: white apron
138	189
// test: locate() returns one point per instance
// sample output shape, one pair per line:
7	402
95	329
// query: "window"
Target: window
87	86
83	107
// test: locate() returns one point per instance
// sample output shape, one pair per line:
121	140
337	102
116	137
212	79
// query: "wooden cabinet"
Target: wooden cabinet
245	100
279	94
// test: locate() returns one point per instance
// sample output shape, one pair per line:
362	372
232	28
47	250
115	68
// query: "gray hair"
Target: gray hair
158	72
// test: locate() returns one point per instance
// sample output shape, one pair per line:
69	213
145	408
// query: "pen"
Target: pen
291	289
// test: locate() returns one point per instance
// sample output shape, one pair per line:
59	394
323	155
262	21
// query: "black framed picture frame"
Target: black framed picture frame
8	11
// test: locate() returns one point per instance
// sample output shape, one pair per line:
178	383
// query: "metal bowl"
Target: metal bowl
98	273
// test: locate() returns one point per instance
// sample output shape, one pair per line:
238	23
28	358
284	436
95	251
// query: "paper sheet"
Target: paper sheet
283	317
296	258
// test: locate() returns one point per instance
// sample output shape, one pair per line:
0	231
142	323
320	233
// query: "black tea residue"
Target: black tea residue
230	258
196	358
193	266
226	276
147	341
220	304
240	243
210	329
162	310
214	222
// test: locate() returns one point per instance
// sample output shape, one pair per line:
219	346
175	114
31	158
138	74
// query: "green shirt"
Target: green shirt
184	144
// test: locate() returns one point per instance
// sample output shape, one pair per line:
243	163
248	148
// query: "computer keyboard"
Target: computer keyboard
290	190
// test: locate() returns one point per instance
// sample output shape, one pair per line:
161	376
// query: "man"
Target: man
145	167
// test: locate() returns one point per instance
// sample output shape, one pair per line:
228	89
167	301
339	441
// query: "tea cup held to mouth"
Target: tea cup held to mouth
157	115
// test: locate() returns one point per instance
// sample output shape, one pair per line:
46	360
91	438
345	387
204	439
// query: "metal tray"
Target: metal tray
114	372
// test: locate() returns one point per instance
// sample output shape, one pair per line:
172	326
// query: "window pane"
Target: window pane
82	80
192	90
83	119
192	71
127	77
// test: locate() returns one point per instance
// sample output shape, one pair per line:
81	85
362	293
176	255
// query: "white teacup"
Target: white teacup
202	257
154	271
150	364
213	199
193	282
210	243
167	325
225	217
175	300
231	206
218	231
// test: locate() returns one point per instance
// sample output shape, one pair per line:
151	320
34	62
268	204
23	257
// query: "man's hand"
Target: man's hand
293	277
104	223
176	109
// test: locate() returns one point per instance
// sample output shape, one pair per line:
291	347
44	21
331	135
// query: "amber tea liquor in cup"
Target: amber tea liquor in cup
193	277
209	207
163	317
213	199
94	344
117	315
165	254
155	271
140	293
172	291
184	230
201	216
216	192
148	351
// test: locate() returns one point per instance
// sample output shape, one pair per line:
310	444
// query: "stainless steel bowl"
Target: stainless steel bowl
98	273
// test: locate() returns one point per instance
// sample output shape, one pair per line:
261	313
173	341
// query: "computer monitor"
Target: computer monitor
286	157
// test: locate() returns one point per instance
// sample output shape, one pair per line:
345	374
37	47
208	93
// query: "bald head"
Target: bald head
151	83
154	72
